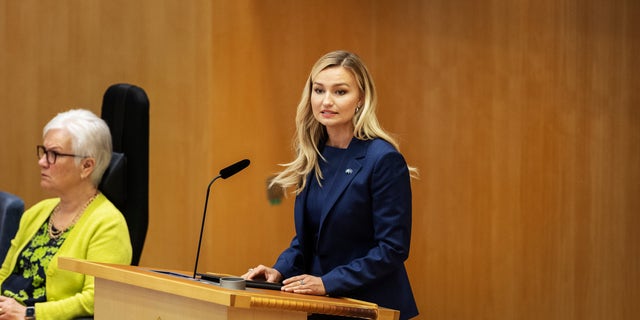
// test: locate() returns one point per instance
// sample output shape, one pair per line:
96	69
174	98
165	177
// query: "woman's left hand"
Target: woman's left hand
305	284
11	309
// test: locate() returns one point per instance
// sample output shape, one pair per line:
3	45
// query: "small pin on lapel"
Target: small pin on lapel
348	171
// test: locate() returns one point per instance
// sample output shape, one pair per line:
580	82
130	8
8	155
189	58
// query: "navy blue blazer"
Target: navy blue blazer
365	230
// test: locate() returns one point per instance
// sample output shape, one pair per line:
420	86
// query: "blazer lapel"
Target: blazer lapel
350	169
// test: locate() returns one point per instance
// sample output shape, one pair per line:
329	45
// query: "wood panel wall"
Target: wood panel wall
521	115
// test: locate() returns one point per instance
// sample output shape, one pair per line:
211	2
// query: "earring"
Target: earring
357	109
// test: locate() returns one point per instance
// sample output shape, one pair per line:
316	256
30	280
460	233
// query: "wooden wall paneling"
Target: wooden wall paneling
263	52
520	112
178	68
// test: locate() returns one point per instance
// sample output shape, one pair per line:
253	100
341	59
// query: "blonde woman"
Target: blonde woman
353	195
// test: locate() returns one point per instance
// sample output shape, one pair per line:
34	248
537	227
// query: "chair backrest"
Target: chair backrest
11	209
125	108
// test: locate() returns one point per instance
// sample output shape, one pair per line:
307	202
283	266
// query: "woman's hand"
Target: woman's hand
10	309
262	273
305	284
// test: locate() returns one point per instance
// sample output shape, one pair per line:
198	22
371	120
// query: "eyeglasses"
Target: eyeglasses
52	156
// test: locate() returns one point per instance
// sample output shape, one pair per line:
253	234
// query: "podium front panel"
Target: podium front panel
116	300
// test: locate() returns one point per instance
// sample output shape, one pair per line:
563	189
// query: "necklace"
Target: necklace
55	233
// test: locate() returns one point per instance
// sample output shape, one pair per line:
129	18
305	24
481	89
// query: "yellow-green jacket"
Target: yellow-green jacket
100	235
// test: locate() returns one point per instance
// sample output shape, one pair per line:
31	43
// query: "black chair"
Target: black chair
11	209
125	108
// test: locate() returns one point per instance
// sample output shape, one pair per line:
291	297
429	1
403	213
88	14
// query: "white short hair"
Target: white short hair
90	136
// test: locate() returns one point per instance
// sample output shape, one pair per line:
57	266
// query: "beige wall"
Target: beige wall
521	115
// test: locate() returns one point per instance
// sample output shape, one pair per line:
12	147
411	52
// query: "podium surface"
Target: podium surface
131	292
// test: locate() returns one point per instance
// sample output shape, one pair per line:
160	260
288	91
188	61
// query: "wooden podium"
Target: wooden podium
130	292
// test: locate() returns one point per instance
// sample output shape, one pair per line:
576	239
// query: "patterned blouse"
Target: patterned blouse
27	283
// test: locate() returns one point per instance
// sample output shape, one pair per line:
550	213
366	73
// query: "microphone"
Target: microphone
234	168
224	173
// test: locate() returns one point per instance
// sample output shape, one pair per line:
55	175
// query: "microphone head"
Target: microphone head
234	168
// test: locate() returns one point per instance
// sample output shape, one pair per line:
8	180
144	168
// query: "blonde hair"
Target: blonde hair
309	132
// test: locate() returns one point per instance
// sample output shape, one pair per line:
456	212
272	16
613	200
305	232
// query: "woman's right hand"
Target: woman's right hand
262	272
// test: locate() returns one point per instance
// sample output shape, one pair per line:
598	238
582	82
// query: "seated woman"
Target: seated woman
80	222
